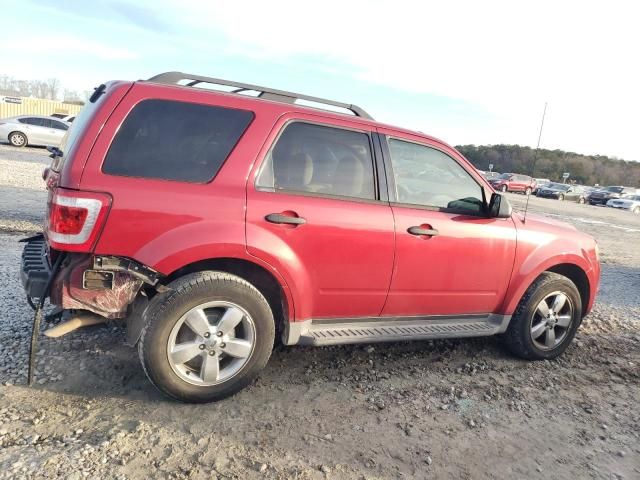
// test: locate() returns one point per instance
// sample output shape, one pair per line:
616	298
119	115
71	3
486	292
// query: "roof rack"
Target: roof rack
172	78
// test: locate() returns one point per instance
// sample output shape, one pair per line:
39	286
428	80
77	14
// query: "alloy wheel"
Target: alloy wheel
211	343
17	140
551	321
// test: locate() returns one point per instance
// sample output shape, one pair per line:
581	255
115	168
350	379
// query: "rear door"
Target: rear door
450	259
315	213
34	128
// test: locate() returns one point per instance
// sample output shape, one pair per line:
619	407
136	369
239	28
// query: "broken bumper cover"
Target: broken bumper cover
105	285
35	269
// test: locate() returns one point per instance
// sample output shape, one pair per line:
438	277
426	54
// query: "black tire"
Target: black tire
527	191
561	197
504	188
18	139
518	337
581	201
185	293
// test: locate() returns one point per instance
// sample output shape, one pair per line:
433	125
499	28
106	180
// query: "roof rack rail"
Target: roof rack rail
266	93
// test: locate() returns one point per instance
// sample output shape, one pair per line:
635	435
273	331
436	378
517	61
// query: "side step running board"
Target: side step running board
392	329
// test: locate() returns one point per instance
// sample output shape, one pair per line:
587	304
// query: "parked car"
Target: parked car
32	130
513	182
68	118
210	221
630	203
540	182
603	195
58	115
562	191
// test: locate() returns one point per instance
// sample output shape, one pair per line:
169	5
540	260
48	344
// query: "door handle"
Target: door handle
286	219
429	232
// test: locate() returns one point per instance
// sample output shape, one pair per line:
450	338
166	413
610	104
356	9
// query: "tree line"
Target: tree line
583	169
49	89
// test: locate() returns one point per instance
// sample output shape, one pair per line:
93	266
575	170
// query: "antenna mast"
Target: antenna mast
535	159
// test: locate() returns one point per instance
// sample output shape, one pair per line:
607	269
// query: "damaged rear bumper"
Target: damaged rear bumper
105	285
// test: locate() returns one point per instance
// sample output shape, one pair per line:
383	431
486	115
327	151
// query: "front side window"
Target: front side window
172	140
428	177
311	158
37	122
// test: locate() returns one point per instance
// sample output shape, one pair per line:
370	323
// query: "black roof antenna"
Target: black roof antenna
535	159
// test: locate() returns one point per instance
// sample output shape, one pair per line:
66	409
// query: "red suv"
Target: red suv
212	222
513	182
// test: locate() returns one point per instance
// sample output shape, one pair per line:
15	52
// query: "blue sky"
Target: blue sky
467	72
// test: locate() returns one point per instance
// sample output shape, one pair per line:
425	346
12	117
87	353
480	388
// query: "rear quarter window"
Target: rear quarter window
178	141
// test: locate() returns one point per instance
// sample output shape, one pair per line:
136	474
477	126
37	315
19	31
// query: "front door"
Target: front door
450	258
315	214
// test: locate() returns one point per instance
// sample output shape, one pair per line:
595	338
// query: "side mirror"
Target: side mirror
499	206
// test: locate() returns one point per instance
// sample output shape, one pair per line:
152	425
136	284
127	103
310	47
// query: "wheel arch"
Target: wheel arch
579	278
562	266
275	292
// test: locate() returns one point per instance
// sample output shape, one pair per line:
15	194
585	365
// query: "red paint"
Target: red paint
350	259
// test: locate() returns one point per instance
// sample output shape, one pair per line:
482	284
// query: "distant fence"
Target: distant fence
12	106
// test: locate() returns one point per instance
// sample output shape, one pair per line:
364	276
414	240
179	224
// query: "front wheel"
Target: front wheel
527	191
503	189
581	201
561	197
636	211
18	139
546	318
206	338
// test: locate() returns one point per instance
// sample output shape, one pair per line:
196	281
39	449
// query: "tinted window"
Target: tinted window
58	125
175	141
38	122
429	177
317	159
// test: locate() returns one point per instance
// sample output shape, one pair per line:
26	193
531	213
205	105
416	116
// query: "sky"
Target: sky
468	72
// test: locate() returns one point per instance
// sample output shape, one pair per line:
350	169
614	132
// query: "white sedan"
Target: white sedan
629	203
32	130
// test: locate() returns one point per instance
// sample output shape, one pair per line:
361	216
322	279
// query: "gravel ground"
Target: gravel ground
445	409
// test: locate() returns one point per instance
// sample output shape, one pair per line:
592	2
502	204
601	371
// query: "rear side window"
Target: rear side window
321	160
178	141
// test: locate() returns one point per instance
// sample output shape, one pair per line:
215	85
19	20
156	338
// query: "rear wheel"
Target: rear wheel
527	191
503	188
546	319
17	139
581	201
207	338
561	197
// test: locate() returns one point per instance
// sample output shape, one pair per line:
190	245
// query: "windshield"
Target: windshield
613	189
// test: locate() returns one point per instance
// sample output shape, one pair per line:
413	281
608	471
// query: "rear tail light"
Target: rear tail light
75	219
